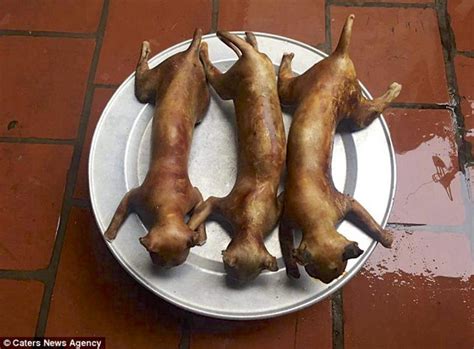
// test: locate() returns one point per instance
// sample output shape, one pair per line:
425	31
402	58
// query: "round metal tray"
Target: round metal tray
363	166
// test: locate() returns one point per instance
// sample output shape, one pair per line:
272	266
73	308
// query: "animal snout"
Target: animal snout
164	263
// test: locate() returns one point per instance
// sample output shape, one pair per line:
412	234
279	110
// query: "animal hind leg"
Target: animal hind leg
202	211
286	80
368	110
243	45
146	80
358	215
218	81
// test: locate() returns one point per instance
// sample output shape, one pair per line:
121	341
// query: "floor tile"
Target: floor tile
47	79
32	183
314	326
48	15
429	184
427	254
419	294
162	23
465	78
298	330
461	13
100	99
94	296
221	334
396	44
19	305
300	20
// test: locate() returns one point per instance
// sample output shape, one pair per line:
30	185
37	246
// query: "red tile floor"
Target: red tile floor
60	62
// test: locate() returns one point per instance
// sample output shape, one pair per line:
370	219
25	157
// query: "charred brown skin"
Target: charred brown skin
178	89
324	95
252	207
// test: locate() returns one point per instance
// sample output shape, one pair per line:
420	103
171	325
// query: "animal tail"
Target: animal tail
194	47
345	39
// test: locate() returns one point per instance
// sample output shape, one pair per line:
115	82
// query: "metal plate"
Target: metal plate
363	166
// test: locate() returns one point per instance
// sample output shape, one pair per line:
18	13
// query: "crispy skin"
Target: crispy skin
252	207
324	95
180	93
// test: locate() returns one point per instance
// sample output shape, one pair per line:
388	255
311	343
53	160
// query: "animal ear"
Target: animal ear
270	263
351	250
229	260
193	239
145	241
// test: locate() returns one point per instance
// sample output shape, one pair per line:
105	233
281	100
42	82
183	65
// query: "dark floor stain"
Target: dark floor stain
12	124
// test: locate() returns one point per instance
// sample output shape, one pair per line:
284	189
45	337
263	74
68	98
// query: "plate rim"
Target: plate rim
333	287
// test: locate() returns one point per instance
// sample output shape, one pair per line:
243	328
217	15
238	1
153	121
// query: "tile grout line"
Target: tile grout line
337	311
71	179
47	34
111	86
404	227
322	47
295	342
215	15
185	338
449	50
468	54
35	140
382	4
410	105
81	202
327	29
38	275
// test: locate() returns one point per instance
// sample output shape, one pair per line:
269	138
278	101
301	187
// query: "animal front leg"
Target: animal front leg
287	244
201	212
122	212
358	215
368	110
214	75
201	236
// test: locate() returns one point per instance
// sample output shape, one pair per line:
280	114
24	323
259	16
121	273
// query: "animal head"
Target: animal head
244	259
326	260
169	244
